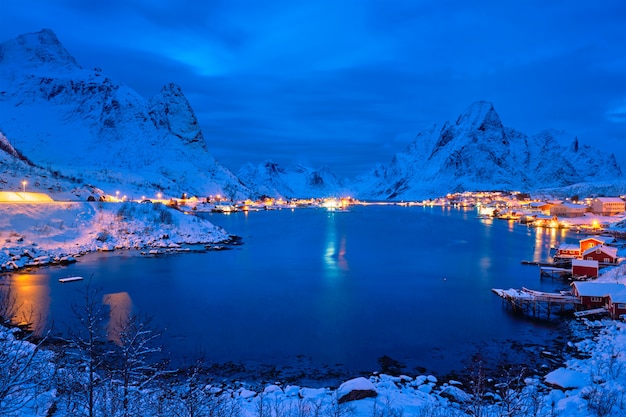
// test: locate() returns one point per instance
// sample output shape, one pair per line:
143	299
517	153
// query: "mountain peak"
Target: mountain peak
38	49
480	115
171	109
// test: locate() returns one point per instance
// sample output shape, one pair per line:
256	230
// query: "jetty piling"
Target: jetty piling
528	301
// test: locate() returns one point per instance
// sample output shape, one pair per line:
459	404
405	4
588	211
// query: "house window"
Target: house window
596	299
607	260
621	306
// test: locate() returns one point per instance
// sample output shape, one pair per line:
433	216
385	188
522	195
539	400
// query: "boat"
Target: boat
70	279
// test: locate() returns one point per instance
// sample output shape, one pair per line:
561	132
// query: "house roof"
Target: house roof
573	206
581	262
598	289
600	239
568	246
618	296
609	200
611	251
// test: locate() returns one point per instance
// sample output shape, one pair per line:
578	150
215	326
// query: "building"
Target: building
568	210
595	294
608	206
539	207
617	303
591	242
568	251
602	254
582	268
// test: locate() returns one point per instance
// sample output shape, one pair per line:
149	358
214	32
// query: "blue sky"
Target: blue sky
349	83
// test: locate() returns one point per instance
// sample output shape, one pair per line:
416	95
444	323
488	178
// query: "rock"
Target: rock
246	394
272	389
565	379
308	393
355	389
455	394
426	389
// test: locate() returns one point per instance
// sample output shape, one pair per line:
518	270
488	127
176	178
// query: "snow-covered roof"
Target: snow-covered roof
581	262
619	296
609	200
600	239
605	249
598	289
568	246
573	206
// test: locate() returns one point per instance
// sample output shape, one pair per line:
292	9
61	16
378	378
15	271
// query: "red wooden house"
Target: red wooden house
568	251
617	303
595	294
585	268
602	254
609	295
590	242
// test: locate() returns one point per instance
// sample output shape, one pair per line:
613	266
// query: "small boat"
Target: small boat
70	279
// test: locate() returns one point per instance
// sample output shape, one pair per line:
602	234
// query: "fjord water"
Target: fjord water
327	288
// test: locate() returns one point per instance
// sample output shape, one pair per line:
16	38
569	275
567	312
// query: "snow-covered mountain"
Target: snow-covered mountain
477	152
272	180
87	126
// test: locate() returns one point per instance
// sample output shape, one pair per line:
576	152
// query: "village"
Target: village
591	266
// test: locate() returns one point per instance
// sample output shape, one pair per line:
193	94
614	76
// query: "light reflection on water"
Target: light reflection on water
32	299
412	283
120	308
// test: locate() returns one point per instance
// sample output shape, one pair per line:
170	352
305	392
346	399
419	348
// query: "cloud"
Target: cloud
352	82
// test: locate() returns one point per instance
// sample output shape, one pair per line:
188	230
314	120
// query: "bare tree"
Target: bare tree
8	305
26	372
136	367
88	339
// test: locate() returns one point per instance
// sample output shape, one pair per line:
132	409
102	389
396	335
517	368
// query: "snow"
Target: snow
55	230
567	378
356	384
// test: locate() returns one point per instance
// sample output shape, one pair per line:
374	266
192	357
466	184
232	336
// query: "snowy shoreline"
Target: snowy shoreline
55	233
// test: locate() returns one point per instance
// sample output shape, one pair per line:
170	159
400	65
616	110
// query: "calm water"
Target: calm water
322	288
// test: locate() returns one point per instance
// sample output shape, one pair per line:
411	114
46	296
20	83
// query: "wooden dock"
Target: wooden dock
528	301
555	272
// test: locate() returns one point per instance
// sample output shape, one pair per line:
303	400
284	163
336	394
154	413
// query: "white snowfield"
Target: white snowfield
40	233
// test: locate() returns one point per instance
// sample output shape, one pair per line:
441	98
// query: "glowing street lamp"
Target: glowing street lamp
24	186
117	195
159	195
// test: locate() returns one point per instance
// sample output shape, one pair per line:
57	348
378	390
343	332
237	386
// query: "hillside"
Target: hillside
86	125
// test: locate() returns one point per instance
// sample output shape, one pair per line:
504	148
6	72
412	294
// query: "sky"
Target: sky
349	83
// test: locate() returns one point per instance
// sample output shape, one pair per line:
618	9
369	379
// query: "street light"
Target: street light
24	186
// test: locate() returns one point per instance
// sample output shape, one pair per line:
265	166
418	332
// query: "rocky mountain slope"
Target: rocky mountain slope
272	180
92	128
477	152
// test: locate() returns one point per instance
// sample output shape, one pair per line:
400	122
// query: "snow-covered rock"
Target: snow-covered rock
567	378
355	389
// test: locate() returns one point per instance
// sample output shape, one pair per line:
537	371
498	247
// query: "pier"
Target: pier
537	302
